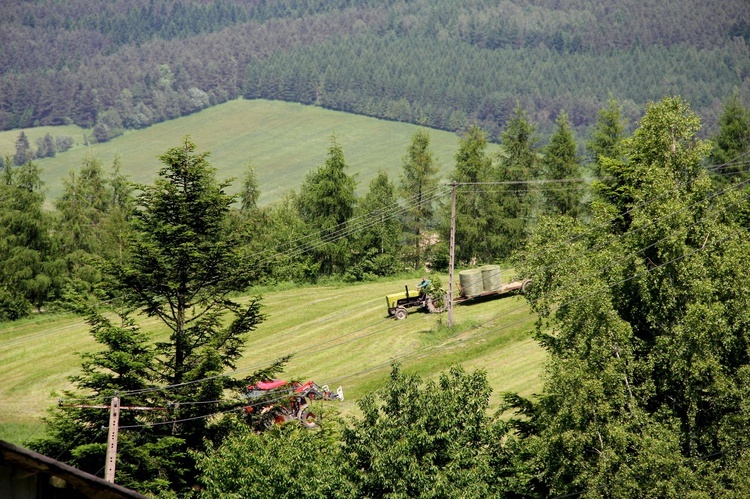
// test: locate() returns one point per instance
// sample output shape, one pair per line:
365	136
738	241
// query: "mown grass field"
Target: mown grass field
338	335
284	141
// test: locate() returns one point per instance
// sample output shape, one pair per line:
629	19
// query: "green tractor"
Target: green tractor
430	297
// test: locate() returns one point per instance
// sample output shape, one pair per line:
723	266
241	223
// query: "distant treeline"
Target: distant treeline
120	65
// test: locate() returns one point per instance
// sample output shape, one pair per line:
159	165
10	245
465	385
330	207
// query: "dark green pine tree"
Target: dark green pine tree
30	273
606	137
518	165
378	243
418	182
560	162
731	145
608	164
23	150
146	461
82	207
326	202
182	267
475	209
116	228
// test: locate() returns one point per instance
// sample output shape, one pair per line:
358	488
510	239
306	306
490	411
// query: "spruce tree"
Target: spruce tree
475	210
182	267
30	273
250	192
23	150
82	207
326	202
378	242
418	182
606	137
731	144
518	165
560	162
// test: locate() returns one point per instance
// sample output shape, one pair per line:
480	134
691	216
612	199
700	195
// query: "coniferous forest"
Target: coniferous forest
128	64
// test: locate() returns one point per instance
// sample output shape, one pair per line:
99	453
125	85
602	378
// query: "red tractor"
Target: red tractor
281	401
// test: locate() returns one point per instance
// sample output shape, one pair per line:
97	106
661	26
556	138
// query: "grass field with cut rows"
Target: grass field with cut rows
338	334
284	141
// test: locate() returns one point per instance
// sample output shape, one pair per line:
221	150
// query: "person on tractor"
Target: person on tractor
423	286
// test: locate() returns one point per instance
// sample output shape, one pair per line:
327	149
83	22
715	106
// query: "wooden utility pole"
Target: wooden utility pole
110	462
451	252
111	459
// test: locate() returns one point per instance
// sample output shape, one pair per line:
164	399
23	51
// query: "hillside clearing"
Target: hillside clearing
283	141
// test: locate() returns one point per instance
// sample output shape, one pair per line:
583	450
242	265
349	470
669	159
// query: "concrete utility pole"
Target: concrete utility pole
110	462
451	252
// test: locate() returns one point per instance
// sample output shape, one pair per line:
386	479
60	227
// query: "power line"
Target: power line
556	263
227	374
427	347
430	347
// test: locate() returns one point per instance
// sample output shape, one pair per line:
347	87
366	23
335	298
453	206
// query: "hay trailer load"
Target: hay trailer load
486	282
483	282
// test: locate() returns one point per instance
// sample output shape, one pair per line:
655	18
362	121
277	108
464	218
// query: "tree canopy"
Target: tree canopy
115	65
647	348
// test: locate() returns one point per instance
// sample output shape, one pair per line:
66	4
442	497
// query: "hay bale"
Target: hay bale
491	278
471	282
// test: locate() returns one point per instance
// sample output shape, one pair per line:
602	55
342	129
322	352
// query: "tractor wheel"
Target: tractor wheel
525	286
271	420
433	307
308	419
400	313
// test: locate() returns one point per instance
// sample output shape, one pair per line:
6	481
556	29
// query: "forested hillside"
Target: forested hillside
128	64
633	255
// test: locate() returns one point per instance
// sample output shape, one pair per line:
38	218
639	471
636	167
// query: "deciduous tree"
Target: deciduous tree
290	461
423	439
641	320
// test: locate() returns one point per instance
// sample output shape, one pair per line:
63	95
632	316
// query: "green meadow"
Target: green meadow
338	335
283	141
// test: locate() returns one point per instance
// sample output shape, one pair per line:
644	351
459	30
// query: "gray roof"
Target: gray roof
87	485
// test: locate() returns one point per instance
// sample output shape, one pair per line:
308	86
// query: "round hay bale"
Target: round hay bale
471	282
491	278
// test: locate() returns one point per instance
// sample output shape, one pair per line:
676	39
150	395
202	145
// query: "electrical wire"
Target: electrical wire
640	205
427	347
307	350
579	298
